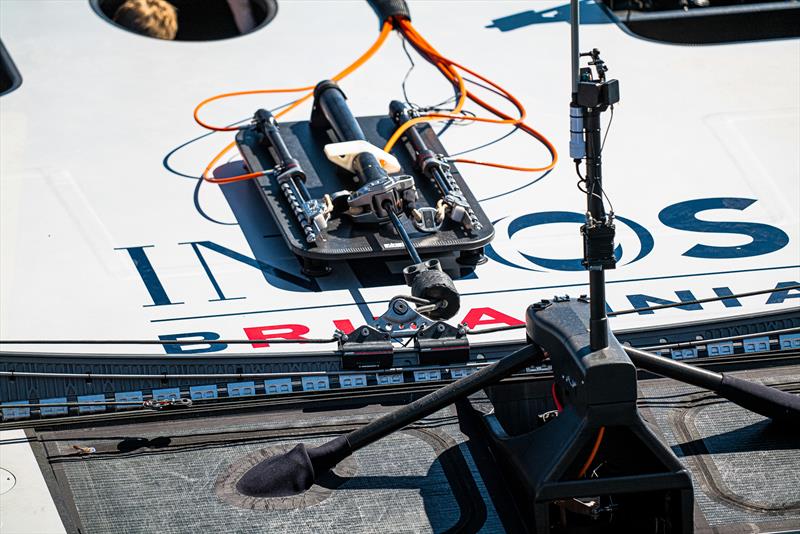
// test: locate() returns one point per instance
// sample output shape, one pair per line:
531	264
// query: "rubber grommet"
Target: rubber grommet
324	85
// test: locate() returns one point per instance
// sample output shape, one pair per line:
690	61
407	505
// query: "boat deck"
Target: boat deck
176	473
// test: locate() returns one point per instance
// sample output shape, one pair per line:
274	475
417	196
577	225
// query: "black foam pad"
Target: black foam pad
294	472
437	286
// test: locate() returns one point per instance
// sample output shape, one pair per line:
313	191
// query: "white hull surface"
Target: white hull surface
702	159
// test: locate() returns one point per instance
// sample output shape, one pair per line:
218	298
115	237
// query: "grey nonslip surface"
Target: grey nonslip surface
745	469
407	482
174	475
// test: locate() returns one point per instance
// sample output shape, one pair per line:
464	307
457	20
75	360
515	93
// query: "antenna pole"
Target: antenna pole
574	23
591	95
598	321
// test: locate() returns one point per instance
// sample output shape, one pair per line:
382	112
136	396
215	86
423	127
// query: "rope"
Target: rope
703	301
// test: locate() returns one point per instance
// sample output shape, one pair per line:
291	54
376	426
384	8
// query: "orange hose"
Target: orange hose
202	104
589	460
385	31
420	43
447	67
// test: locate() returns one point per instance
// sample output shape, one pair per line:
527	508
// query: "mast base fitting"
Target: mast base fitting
598	247
333	218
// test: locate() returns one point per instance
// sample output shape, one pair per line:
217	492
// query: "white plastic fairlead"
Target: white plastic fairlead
343	154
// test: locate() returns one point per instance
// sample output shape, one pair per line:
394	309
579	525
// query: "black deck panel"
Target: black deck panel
164	475
420	480
745	470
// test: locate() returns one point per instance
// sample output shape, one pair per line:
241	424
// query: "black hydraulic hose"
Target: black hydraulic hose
767	401
398	225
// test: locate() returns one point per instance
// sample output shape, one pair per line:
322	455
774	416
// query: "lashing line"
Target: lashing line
468	331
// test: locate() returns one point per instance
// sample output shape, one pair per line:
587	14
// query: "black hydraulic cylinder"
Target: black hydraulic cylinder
368	167
331	103
420	150
767	401
291	177
400	115
268	127
331	110
430	164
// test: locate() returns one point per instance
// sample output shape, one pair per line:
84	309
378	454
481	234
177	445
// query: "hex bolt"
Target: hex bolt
400	307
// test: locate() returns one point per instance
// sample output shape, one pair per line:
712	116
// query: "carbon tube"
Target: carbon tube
764	400
331	103
402	417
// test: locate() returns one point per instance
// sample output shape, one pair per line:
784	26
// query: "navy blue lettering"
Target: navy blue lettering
644	301
726	292
178	348
267	269
683	216
779	296
148	276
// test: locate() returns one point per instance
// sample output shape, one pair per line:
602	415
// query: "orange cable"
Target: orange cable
446	66
419	42
385	31
593	453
